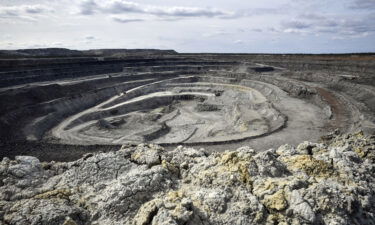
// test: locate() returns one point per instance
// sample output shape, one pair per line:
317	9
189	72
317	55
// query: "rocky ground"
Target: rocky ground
332	182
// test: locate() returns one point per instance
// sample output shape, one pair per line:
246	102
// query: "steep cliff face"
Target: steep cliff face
332	182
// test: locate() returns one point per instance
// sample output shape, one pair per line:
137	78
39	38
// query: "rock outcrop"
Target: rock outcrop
332	182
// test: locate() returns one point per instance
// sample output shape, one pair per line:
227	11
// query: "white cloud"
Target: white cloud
30	44
123	19
90	7
341	27
238	42
190	26
35	9
363	4
6	37
23	12
90	37
216	33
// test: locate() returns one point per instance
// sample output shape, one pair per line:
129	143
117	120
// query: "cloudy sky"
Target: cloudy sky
269	26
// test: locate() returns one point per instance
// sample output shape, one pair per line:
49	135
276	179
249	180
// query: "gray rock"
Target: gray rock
269	165
144	184
301	208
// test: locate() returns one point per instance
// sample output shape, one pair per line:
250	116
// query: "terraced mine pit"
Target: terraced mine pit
67	106
174	111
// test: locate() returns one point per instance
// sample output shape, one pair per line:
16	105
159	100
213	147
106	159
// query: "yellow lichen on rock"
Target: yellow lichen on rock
225	169
274	194
276	218
359	134
69	221
135	156
269	185
310	165
174	196
58	193
276	201
170	166
146	212
360	151
234	163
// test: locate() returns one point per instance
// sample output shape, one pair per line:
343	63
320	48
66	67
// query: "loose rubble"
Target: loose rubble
332	182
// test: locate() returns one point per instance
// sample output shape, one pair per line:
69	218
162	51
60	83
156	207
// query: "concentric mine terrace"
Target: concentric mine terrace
58	104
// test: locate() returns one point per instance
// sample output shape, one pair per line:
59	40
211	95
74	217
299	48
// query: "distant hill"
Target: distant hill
63	52
41	52
125	52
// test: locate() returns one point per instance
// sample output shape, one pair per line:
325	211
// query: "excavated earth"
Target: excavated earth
59	107
141	137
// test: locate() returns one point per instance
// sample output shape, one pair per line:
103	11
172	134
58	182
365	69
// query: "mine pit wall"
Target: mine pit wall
179	68
14	120
32	63
149	88
140	90
157	101
362	93
268	85
359	101
354	63
146	104
16	78
51	113
330	66
56	110
59	72
44	93
359	65
354	92
11	75
295	89
55	63
268	90
186	62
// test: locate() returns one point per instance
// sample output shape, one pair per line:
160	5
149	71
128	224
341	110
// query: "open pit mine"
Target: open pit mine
159	137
